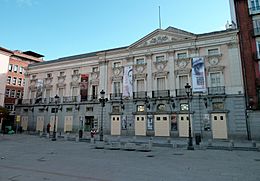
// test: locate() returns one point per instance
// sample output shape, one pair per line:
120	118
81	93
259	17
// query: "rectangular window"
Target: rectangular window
18	94
53	110
95	69
69	109
215	79
161	83
75	72
20	81
23	82
184	107
62	73
159	58
94	91
21	70
117	87
15	68
89	109
61	91
116	64
48	93
213	51
7	93
13	93
10	67
49	75
181	55
183	80
254	5
14	80
140	61
140	85
9	79
140	108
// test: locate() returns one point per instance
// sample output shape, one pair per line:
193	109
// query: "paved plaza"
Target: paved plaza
31	158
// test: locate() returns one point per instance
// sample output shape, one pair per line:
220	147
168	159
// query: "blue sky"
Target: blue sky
59	28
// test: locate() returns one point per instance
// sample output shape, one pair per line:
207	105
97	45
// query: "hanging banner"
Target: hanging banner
124	122
39	89
150	122
198	75
84	87
128	82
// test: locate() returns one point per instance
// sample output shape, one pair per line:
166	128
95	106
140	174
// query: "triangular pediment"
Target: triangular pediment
160	36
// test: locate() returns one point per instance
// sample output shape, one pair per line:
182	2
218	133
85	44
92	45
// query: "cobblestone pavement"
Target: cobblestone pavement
31	158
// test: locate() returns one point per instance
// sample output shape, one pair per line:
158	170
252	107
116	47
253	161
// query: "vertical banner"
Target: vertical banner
124	122
84	87
39	90
198	75
128	82
150	122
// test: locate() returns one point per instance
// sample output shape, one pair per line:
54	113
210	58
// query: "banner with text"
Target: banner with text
128	82
198	75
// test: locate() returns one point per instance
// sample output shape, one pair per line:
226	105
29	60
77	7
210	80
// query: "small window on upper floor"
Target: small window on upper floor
10	67
33	76
213	51
140	108
140	61
62	73
7	93
95	69
116	64
23	82
182	55
159	58
20	81
15	68
49	75
14	80
9	79
75	72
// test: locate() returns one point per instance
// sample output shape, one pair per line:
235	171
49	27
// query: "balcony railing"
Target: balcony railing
69	99
180	93
219	90
161	94
139	95
114	96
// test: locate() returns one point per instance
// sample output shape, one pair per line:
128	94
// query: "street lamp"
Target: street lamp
56	109
188	92
103	101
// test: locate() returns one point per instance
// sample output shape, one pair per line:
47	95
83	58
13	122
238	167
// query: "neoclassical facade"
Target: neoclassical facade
144	84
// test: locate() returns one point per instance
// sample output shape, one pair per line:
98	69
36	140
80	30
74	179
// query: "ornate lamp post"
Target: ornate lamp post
188	92
102	101
56	109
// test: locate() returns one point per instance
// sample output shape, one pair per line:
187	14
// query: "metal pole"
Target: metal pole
190	144
101	126
54	127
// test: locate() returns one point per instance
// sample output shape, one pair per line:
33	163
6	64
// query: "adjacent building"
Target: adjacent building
145	86
246	17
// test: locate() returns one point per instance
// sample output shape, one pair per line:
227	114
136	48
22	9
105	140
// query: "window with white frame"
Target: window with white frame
140	61
161	83
159	58
117	88
20	81
12	93
213	51
182	55
7	93
183	80
21	70
256	24
140	85
258	48
10	67
9	78
15	68
116	64
14	81
215	79
254	5
18	94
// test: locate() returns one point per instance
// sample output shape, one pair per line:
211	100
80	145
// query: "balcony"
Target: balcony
180	93
115	96
89	98
161	94
219	90
69	99
139	95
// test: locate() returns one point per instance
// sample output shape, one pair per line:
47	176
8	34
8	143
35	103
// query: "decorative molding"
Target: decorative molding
160	66
117	78
48	80
75	77
232	45
95	75
160	74
117	71
61	79
75	84
94	82
139	68
183	71
60	85
182	63
215	69
140	76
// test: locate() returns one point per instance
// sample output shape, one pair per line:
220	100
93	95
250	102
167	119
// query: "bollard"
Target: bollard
209	142
231	145
77	138
253	144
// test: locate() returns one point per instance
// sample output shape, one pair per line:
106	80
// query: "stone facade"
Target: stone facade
161	67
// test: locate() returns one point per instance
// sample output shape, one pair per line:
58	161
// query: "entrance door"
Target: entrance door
89	123
140	125
184	125
52	123
115	125
40	123
219	126
161	125
68	122
24	123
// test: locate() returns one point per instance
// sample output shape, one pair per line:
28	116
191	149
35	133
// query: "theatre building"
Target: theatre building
145	87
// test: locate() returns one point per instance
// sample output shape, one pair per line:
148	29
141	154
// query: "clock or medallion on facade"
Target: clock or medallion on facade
213	61
182	64
116	71
140	69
